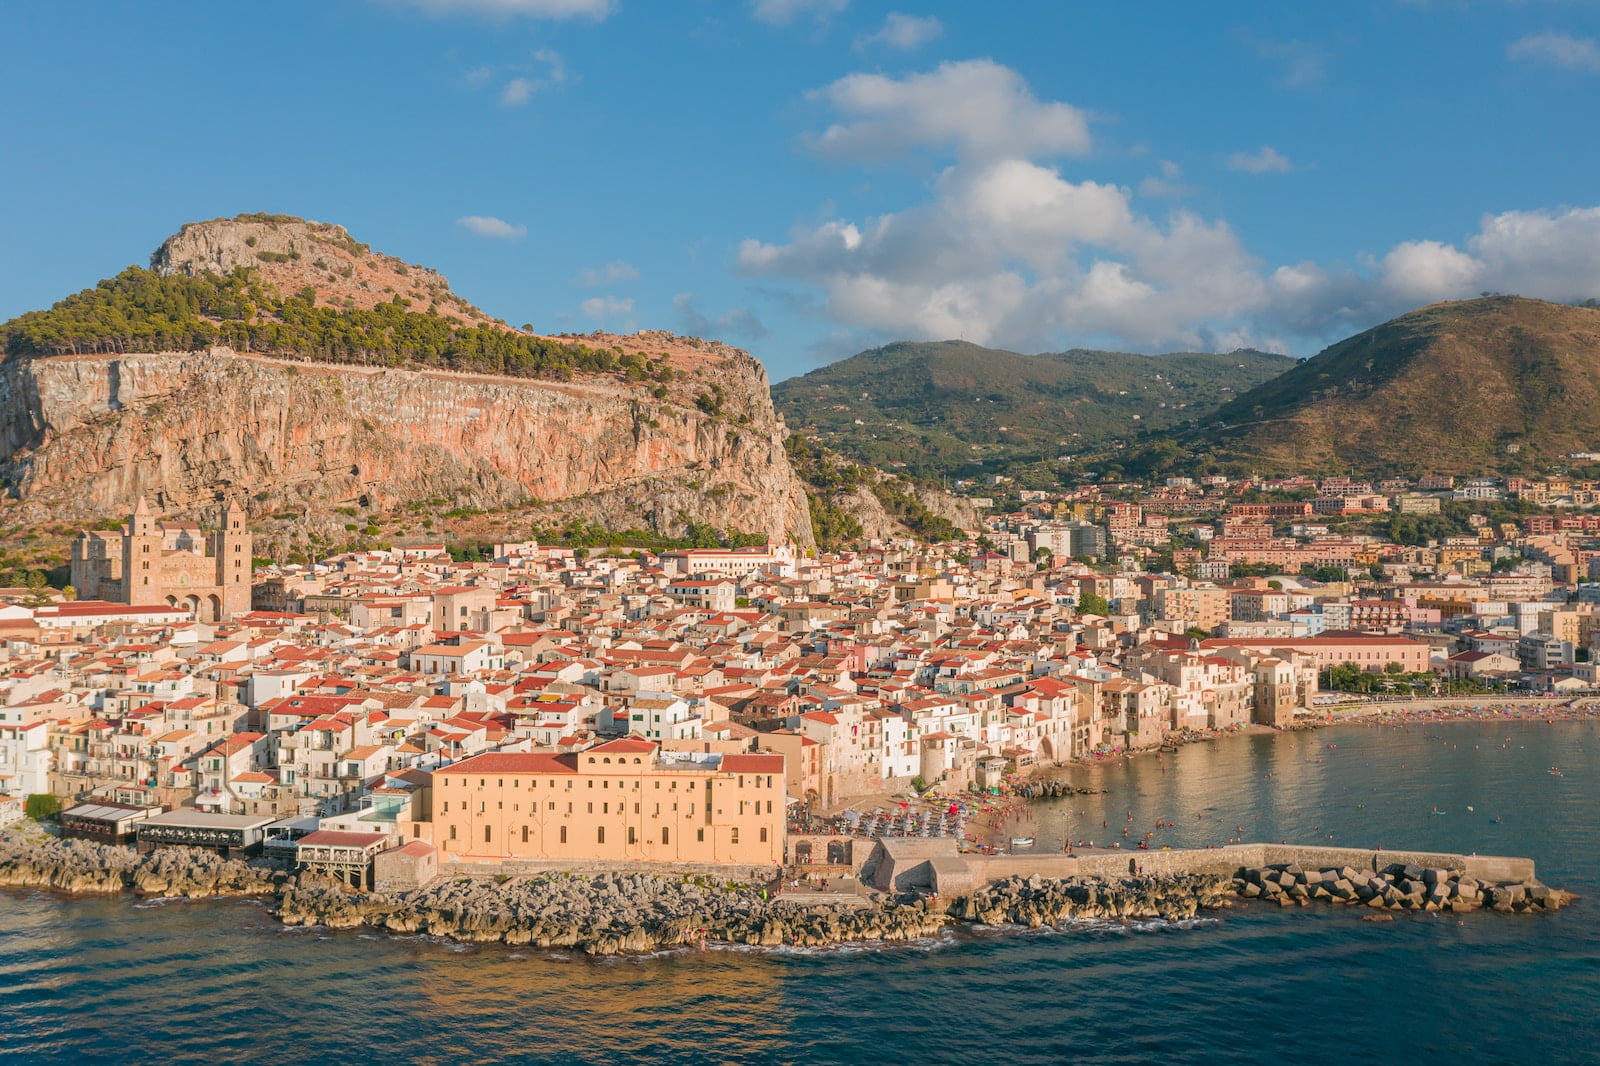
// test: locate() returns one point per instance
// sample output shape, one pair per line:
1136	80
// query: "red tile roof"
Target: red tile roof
523	762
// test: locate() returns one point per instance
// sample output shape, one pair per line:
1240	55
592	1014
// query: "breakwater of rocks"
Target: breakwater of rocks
630	913
1400	887
1037	901
1049	788
607	914
83	868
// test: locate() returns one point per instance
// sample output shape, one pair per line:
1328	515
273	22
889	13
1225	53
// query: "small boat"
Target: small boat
1022	842
1555	773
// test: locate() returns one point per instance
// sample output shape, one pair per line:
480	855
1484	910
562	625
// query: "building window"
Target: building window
666	835
763	835
525	834
735	834
452	832
632	836
600	835
700	835
486	834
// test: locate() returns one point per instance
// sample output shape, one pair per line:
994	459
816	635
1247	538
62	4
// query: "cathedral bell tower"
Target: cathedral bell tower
232	545
141	557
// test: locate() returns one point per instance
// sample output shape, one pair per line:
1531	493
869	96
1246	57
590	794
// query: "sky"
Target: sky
811	178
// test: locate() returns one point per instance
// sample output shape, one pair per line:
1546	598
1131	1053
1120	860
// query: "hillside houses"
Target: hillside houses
861	672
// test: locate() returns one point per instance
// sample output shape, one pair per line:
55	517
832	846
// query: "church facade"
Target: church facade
148	562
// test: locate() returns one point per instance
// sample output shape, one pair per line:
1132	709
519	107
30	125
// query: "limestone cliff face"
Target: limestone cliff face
82	437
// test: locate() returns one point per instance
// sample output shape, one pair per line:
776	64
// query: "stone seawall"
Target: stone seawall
937	865
570	868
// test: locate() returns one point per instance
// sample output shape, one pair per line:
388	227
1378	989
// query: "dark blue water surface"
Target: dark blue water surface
124	981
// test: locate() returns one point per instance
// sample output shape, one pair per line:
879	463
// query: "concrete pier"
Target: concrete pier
938	866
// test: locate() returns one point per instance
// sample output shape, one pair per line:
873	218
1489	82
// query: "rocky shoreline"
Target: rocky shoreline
608	914
637	913
83	868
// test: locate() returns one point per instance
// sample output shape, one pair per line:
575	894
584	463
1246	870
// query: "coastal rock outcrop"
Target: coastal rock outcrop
81	868
608	914
1400	887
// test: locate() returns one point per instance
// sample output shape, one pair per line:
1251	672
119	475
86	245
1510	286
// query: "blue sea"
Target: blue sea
128	981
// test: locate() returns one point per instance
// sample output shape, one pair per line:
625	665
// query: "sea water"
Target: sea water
126	981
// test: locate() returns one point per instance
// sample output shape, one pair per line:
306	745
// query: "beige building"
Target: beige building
1199	606
172	563
622	801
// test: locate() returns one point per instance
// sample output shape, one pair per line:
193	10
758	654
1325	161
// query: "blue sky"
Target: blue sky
808	178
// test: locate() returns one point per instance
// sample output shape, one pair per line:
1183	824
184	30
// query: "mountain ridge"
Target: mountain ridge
932	408
1498	384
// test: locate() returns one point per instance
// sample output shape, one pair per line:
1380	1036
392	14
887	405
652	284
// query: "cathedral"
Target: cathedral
172	563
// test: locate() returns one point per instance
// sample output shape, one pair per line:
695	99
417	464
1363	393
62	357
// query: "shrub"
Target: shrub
42	806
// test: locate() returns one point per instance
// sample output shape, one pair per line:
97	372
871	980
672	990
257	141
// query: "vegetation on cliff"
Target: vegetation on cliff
142	311
831	477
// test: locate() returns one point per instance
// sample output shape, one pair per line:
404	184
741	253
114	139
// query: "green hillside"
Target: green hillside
1495	385
950	408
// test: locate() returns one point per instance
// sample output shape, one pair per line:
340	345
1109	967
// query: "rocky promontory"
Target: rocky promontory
82	868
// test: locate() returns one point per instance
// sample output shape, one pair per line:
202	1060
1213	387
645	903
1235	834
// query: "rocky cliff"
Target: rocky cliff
83	437
651	431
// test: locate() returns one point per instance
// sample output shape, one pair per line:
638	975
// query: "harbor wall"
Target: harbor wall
937	865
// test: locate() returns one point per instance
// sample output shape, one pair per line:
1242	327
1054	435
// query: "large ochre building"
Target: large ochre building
175	564
622	801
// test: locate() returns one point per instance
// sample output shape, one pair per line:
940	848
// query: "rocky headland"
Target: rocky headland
278	395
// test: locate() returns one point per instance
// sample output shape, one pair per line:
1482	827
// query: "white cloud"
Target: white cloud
906	32
599	307
1423	272
1012	253
978	107
739	322
546	70
1007	250
518	91
489	226
551	9
1168	184
782	12
1557	49
1265	160
616	270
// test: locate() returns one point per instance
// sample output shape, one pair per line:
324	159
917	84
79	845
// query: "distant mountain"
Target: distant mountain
1500	384
949	407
